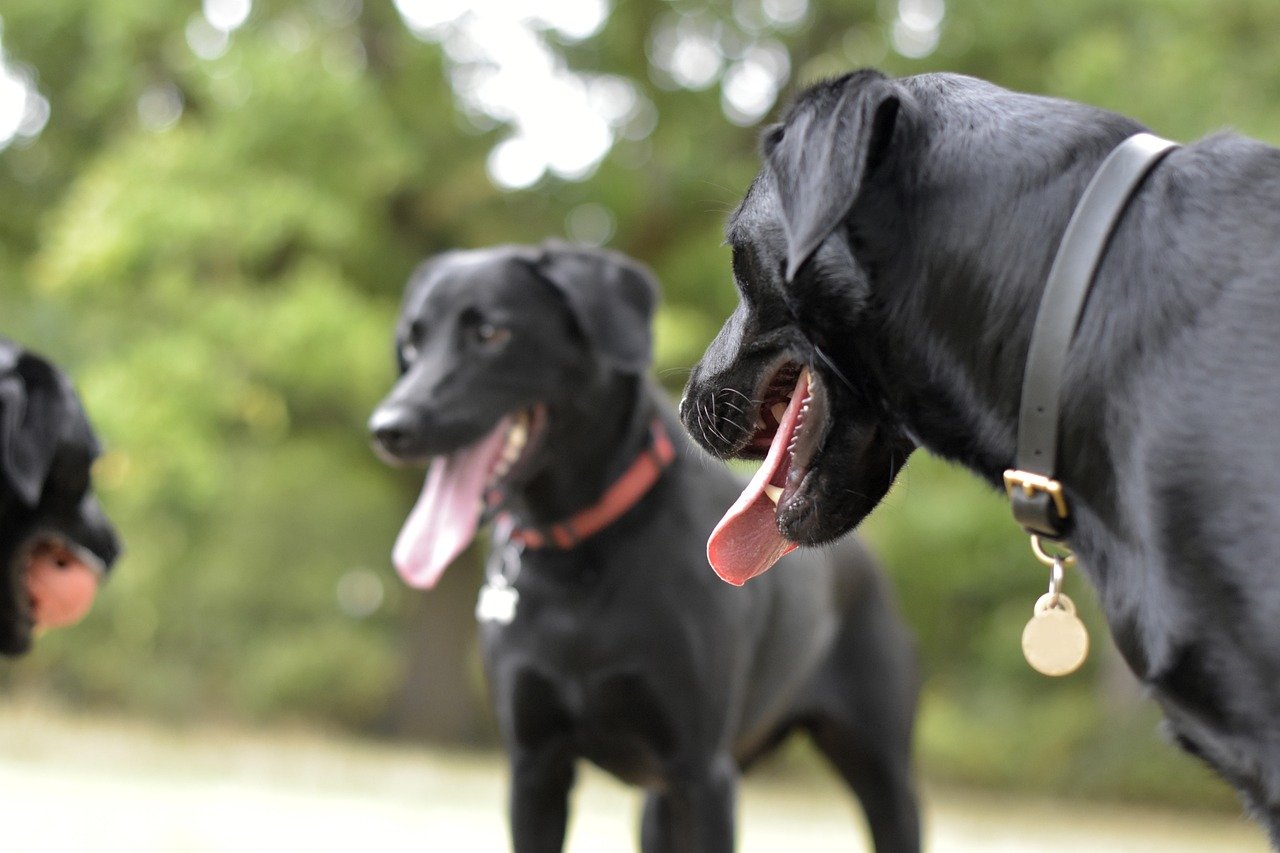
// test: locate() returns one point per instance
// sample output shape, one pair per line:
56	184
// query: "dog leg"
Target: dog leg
541	778
693	814
881	781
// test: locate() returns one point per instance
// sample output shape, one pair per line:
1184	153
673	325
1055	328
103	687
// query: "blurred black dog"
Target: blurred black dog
897	241
604	635
55	541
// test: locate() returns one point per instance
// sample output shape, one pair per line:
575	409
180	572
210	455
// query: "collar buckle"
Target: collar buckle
1038	503
1032	484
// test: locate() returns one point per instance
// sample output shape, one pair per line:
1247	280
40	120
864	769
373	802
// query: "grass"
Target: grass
88	782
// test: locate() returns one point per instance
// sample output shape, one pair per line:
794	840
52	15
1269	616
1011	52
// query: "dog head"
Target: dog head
55	541
775	383
496	347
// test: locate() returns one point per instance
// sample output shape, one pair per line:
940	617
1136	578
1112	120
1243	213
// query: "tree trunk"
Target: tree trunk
441	698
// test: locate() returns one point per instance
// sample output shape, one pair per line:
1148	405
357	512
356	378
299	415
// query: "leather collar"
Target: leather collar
623	494
1039	504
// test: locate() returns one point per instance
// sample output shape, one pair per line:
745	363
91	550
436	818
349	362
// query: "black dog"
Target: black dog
522	375
897	241
55	541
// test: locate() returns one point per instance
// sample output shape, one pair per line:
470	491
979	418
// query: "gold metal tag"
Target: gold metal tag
1055	641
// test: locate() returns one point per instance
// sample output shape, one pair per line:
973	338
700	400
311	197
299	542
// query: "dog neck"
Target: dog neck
959	303
589	444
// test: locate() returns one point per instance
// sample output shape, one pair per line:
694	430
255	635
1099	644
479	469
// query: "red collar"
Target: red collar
625	493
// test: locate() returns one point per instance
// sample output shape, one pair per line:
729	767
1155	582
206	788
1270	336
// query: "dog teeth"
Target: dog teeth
517	436
778	410
774	492
519	433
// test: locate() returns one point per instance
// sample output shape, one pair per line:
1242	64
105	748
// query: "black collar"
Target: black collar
1039	504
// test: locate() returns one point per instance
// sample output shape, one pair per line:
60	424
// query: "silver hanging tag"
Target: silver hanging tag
498	597
497	602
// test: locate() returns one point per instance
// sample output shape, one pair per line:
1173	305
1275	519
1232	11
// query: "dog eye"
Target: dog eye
489	334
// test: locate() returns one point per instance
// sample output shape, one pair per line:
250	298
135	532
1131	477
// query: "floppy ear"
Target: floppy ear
611	297
29	426
821	155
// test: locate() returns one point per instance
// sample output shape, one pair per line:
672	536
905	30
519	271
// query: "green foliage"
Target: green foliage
222	287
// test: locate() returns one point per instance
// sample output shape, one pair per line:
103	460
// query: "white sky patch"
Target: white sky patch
918	27
23	110
227	15
502	69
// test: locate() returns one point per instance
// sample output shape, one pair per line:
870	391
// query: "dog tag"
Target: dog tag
497	602
1055	641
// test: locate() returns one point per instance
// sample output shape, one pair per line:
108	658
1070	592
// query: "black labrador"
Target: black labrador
897	241
55	541
522	383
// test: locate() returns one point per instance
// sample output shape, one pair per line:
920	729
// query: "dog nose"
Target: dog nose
390	427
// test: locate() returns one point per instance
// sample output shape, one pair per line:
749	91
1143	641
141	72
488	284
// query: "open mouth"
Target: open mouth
58	580
792	423
460	488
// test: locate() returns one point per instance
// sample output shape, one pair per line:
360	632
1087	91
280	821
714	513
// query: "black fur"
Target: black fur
626	650
46	450
920	274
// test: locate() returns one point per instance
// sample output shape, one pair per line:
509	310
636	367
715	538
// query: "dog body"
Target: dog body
55	540
898	239
623	649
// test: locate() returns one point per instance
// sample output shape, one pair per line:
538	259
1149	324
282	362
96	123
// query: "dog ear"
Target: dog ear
822	154
29	394
611	296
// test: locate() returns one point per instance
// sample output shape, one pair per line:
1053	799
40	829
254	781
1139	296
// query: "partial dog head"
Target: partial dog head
893	244
55	541
495	347
769	386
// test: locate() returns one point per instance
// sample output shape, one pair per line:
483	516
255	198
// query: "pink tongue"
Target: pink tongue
746	542
444	520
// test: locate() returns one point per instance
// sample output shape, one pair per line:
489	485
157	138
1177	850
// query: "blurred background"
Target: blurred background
207	214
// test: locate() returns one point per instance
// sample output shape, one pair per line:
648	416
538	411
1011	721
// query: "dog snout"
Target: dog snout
688	410
710	422
392	428
98	535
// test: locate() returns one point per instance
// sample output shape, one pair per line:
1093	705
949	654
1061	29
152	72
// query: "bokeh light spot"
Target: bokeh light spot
360	593
205	40
918	27
159	107
23	110
590	223
502	69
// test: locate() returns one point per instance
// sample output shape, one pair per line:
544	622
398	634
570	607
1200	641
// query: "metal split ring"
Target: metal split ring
1066	558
